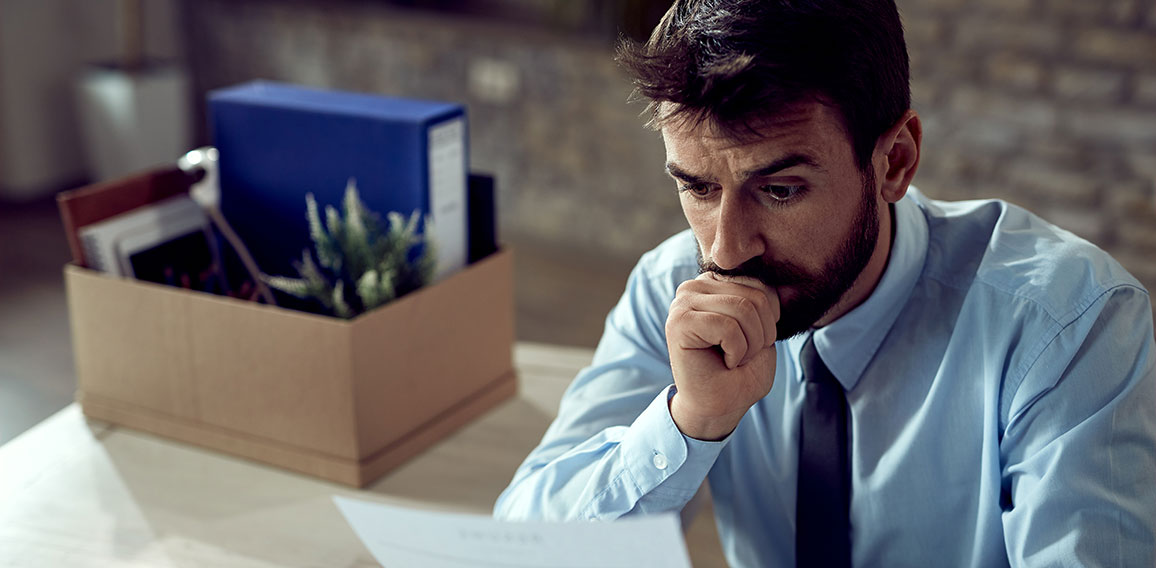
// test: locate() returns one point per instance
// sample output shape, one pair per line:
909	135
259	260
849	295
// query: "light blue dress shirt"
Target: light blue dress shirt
1001	384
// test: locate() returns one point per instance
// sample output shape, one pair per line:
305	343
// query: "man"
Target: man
863	375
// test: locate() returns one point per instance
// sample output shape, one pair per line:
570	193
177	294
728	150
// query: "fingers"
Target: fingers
732	313
705	330
742	285
764	298
740	306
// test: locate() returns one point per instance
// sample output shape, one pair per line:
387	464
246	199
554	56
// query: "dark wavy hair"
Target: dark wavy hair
734	62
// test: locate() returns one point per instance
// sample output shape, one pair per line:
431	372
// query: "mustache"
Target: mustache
772	274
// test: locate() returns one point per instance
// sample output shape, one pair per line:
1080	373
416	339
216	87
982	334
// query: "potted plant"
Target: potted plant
361	264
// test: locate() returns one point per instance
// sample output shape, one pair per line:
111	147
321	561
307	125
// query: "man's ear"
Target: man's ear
897	156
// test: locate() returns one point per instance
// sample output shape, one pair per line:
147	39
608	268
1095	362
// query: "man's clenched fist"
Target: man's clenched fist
721	338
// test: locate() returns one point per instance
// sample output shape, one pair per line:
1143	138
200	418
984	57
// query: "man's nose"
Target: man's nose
736	237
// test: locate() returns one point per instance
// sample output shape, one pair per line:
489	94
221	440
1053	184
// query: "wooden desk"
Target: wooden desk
78	493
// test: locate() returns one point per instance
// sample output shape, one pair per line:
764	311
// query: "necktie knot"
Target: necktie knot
814	370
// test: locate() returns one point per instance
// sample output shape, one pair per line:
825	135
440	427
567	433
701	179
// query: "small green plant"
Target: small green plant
360	264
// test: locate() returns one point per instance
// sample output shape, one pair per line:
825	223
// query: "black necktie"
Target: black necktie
823	537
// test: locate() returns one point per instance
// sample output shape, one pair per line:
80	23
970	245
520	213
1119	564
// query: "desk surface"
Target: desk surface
79	493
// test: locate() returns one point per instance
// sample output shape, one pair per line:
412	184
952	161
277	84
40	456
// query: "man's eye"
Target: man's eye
697	190
782	192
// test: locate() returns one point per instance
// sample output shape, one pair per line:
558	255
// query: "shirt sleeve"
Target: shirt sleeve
614	449
1079	448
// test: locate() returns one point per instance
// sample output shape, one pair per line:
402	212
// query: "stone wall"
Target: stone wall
1050	104
1047	103
548	112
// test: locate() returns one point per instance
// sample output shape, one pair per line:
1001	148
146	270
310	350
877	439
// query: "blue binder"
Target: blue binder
278	142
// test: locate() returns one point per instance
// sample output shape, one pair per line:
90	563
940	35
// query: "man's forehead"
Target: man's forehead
799	119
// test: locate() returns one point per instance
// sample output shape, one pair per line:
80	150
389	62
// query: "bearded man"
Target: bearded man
863	375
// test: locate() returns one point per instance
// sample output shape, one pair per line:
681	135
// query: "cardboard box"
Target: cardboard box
344	400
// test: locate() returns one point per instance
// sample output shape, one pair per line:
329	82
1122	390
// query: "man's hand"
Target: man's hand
721	337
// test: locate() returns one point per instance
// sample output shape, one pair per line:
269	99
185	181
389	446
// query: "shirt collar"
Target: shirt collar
849	343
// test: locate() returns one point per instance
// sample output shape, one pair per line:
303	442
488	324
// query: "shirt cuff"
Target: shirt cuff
660	458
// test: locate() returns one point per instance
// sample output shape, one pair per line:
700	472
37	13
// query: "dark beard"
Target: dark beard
816	294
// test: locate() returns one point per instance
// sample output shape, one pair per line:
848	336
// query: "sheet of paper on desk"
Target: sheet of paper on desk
400	537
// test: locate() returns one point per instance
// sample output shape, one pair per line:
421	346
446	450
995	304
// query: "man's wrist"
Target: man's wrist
707	429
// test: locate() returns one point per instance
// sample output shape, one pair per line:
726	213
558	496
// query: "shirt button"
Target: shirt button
660	461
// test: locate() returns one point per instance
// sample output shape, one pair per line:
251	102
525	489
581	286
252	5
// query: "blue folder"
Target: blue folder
278	142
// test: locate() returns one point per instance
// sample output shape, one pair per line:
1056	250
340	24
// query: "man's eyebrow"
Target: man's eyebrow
674	170
788	161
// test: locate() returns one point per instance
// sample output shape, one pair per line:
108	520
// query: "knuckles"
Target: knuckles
692	287
675	320
749	308
732	332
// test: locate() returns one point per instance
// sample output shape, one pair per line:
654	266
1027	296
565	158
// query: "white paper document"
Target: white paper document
400	537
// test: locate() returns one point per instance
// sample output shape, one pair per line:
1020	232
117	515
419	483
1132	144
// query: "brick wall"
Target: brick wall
548	113
1045	103
1050	104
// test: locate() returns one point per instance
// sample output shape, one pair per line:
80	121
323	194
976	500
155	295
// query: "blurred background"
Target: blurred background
1050	104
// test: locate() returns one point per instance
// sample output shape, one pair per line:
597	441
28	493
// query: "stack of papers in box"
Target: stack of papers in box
168	241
